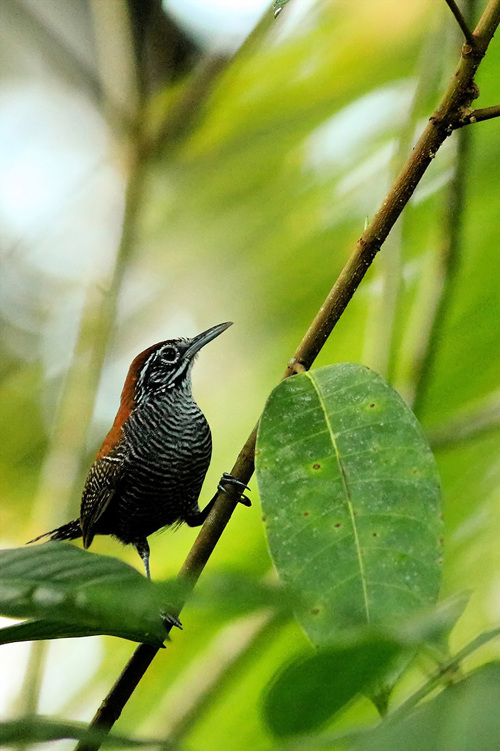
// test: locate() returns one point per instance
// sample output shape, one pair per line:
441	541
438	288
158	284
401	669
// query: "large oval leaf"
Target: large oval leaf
350	495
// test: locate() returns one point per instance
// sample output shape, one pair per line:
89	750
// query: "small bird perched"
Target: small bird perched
150	468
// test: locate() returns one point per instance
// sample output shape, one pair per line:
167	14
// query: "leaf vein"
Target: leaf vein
348	493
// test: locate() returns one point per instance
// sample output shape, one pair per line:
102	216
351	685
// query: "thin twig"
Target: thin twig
461	22
459	95
477	116
448	667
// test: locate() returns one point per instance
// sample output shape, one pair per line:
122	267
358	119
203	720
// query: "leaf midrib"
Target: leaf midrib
347	492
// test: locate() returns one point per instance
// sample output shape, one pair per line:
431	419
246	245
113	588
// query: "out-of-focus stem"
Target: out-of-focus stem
441	293
379	350
212	671
467	425
440	296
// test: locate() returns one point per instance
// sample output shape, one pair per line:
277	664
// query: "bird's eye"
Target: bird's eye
169	354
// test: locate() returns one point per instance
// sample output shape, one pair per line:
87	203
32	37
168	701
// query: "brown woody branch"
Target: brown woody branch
456	100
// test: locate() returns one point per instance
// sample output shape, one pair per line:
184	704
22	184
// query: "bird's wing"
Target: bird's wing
100	488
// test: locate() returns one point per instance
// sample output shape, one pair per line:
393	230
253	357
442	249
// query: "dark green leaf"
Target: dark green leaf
435	624
351	499
79	593
37	630
463	717
312	689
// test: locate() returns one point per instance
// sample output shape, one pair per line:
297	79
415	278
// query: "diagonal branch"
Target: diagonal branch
459	95
461	22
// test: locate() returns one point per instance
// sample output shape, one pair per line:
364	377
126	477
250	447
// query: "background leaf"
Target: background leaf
350	494
464	716
312	689
82	592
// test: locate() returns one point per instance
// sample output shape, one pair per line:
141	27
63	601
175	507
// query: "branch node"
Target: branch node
296	366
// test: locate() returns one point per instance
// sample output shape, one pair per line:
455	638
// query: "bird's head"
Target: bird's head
166	365
161	367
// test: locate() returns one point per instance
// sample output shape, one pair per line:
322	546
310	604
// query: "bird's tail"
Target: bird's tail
69	531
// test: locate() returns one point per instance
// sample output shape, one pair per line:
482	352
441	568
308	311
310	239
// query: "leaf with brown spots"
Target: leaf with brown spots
351	496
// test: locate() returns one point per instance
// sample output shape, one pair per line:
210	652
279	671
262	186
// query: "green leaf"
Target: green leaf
66	591
312	689
351	499
433	625
464	716
39	630
42	729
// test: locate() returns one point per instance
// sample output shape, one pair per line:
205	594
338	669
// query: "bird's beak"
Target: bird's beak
197	342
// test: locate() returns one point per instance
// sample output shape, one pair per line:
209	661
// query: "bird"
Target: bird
148	473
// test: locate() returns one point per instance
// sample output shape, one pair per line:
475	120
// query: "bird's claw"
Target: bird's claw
170	620
228	479
232	480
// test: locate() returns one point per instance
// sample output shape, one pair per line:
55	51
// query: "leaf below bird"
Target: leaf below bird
66	591
463	717
351	499
311	689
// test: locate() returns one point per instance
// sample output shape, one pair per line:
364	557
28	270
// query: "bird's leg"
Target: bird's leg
142	547
198	517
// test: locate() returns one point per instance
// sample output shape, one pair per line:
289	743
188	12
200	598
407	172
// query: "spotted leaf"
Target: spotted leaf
351	499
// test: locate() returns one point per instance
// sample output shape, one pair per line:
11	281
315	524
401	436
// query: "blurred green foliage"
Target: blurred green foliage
249	216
